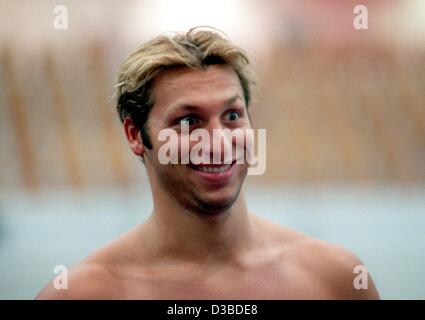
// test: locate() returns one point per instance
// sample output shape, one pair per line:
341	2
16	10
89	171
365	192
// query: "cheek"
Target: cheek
170	175
167	150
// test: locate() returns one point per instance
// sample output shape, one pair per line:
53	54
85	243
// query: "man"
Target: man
200	242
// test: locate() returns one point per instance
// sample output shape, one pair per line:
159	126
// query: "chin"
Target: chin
216	202
212	208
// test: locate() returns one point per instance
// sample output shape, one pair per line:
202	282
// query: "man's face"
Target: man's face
202	99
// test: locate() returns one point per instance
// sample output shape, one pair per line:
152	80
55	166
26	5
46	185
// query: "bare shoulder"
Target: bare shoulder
95	277
325	264
101	275
341	271
86	280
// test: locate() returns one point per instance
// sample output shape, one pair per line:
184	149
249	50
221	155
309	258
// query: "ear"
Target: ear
134	137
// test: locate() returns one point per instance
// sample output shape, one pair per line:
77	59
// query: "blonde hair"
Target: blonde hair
198	48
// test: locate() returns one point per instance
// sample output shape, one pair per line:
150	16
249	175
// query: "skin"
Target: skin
200	242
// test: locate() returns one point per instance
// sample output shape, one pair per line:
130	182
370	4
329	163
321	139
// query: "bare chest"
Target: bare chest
268	283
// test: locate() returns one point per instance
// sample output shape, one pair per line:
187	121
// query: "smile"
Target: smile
220	168
214	173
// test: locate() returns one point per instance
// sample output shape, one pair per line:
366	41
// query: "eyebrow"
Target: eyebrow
192	107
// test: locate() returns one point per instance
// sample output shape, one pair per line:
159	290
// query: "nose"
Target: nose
219	147
213	125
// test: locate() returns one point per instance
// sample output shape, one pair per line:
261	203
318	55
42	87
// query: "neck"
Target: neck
175	232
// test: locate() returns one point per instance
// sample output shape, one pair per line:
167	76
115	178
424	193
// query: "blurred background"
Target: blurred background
344	111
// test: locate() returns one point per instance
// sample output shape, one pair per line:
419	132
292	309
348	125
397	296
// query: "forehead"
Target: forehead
214	84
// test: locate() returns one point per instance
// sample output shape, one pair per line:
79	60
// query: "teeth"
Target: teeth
214	169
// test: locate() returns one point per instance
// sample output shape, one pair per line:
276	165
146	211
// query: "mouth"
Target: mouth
214	172
212	168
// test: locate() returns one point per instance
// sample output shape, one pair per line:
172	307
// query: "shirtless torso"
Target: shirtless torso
283	264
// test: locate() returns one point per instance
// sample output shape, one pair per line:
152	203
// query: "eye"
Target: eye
232	116
188	120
